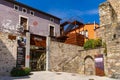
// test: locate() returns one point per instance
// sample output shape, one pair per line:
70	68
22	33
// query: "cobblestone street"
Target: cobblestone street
55	76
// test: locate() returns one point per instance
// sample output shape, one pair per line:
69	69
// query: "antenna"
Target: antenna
94	25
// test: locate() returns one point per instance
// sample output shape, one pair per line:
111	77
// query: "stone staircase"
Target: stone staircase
64	62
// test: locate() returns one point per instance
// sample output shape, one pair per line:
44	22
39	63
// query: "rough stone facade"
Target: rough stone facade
8	53
110	22
61	53
71	58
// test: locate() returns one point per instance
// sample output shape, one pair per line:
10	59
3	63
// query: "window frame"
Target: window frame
27	21
32	12
49	29
86	33
52	19
17	7
24	9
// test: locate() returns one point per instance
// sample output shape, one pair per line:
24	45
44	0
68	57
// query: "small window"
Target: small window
16	7
52	29
82	32
32	13
52	19
86	33
23	23
24	10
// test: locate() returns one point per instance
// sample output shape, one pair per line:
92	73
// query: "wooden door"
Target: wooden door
99	65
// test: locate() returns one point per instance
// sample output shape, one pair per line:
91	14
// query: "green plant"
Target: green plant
105	46
20	71
98	43
91	44
27	71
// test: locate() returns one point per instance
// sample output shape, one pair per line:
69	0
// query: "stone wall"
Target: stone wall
61	53
8	53
72	58
109	19
116	6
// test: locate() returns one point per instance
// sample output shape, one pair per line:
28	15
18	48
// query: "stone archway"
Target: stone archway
89	67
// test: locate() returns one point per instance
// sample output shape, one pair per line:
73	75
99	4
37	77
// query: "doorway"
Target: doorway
37	53
52	31
99	65
89	67
24	22
38	60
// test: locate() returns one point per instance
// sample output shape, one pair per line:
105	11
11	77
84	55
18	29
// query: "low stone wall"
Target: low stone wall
8	53
84	62
61	53
71	58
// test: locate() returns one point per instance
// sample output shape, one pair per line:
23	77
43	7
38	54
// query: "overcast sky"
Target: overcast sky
87	10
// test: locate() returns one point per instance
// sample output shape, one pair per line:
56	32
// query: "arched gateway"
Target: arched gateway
89	68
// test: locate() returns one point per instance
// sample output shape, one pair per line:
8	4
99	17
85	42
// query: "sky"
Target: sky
86	10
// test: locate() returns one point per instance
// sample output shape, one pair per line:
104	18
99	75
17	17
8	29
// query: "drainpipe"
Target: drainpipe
27	56
47	53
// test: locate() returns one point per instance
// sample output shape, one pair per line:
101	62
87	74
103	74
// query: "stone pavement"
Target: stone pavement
46	75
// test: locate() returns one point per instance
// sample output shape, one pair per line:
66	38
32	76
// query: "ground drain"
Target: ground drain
91	79
58	73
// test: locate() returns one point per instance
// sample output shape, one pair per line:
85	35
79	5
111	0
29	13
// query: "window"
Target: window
52	31
82	32
86	33
24	10
31	12
16	7
23	23
52	19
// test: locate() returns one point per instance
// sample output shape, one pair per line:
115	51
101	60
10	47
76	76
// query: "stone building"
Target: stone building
109	31
75	59
23	32
24	41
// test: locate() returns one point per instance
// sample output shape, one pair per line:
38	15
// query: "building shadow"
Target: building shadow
13	78
8	57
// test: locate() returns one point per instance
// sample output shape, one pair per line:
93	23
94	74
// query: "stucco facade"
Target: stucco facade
88	30
17	26
38	24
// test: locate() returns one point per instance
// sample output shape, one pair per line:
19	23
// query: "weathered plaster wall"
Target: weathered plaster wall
8	53
71	58
38	24
110	21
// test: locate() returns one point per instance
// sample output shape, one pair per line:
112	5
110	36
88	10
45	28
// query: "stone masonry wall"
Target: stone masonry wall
71	58
61	53
116	6
84	62
8	53
110	10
